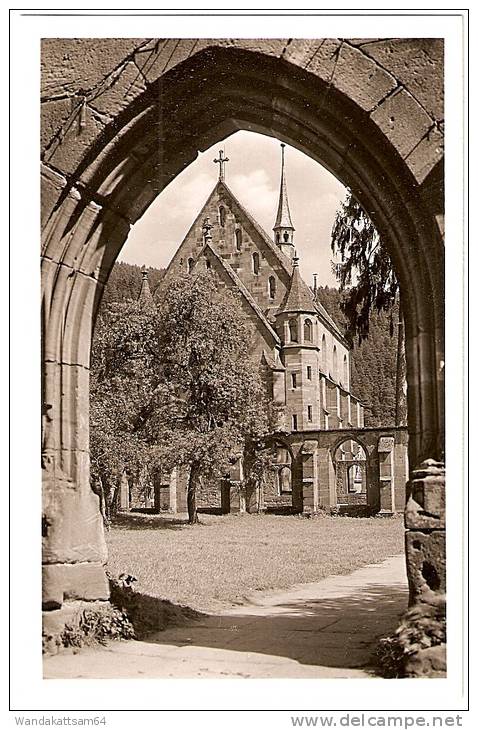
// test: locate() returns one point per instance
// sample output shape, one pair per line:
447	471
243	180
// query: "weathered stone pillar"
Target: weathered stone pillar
425	531
235	498
425	550
325	488
225	497
310	487
386	445
173	486
124	493
255	498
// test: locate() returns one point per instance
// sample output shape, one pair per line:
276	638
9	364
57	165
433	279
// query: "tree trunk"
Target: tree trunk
98	489
401	375
111	500
193	481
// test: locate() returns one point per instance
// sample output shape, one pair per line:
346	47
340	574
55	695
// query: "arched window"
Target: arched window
346	373
307	331
324	354
255	262
285	480
282	467
272	287
355	479
293	330
277	238
286	237
334	363
350	464
190	264
238	235
222	216
208	264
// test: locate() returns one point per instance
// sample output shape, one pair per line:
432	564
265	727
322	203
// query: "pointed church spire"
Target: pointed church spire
299	298
145	297
283	228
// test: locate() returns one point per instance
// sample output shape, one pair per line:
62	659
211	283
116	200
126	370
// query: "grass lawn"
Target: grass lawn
225	557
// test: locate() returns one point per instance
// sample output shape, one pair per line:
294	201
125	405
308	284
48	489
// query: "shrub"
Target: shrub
95	626
146	613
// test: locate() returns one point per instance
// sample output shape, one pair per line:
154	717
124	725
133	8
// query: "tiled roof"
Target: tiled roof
299	298
145	297
243	290
283	219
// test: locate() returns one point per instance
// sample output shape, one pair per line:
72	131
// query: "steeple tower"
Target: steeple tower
145	297
283	228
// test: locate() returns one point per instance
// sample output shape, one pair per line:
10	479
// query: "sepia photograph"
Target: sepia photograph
242	358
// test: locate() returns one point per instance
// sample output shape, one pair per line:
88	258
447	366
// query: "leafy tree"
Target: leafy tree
210	404
118	365
368	281
122	378
172	384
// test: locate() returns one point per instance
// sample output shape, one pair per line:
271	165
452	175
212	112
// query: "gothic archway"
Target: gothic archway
106	161
350	461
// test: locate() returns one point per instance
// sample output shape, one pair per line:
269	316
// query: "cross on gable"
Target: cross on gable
222	165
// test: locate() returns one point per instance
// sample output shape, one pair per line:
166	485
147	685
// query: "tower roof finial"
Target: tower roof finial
283	219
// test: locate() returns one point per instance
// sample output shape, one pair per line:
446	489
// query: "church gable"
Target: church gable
241	243
249	252
263	269
264	336
193	243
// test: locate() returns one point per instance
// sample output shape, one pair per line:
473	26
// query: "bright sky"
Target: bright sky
253	175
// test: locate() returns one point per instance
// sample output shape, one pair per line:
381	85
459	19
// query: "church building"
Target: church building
320	462
294	335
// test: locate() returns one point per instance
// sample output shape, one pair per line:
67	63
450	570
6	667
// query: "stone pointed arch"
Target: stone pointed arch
138	114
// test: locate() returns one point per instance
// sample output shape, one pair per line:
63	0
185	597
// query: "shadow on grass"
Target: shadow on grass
147	521
341	632
149	614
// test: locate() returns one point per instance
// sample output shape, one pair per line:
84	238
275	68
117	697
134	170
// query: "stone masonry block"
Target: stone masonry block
300	51
54	116
426	563
120	91
85	581
426	154
351	72
78	581
403	121
70	65
417	63
72	527
160	56
361	79
52	185
429	662
54	621
83	129
425	508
